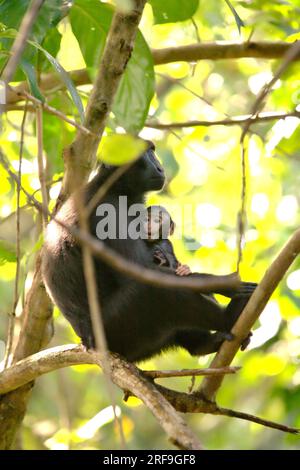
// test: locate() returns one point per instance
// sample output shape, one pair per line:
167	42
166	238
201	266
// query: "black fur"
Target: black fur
139	320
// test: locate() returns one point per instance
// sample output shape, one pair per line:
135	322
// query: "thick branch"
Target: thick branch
251	312
221	51
190	53
123	374
127	377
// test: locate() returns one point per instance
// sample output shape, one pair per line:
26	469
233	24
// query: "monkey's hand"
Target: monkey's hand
159	258
245	289
245	343
183	270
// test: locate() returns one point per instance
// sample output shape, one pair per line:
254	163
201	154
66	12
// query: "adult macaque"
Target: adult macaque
139	320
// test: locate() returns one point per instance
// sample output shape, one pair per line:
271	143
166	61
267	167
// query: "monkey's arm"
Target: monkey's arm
244	289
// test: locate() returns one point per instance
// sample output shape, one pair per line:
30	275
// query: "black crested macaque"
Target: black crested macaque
140	320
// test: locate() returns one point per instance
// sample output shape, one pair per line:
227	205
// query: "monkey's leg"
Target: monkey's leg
199	343
235	308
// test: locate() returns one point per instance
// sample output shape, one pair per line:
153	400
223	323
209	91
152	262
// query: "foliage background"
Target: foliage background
71	408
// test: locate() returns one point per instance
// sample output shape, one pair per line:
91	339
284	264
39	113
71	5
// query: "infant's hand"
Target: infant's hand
159	258
183	270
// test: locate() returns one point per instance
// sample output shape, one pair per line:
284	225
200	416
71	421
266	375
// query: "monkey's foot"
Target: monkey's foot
246	341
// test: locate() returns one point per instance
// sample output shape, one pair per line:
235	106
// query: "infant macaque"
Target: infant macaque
159	226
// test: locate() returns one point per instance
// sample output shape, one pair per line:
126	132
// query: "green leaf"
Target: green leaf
90	22
238	19
51	43
136	89
11	14
30	73
63	133
119	149
7	252
65	78
51	12
59	69
171	11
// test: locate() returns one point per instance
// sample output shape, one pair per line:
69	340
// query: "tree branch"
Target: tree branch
251	313
123	374
49	109
233	121
189	53
221	51
126	376
163	374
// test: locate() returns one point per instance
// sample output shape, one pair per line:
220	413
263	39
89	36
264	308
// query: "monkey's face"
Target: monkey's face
159	224
153	225
149	172
146	174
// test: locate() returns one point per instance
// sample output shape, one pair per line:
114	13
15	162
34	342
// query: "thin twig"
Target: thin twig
163	374
196	30
233	121
21	39
242	215
256	419
96	313
291	54
41	167
11	323
179	83
49	109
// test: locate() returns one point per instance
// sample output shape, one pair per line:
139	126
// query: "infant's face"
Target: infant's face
157	225
152	225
